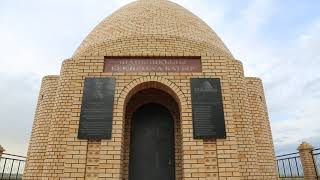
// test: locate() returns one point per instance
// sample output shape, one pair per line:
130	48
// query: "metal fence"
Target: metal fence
11	166
290	166
316	160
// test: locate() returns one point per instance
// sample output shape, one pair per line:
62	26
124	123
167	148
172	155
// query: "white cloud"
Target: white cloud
37	35
18	95
256	14
291	74
18	56
300	97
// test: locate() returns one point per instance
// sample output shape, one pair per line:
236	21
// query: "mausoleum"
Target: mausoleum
152	93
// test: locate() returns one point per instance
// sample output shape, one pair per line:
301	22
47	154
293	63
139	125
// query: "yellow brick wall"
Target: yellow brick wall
262	130
246	153
92	159
70	158
57	138
39	138
152	19
308	161
193	150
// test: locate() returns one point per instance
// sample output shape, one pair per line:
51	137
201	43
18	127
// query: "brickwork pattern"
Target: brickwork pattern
175	92
210	159
305	151
56	147
143	19
151	95
93	158
197	160
262	129
41	127
247	154
233	158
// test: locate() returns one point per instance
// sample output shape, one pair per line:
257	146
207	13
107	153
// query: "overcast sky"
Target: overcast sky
278	41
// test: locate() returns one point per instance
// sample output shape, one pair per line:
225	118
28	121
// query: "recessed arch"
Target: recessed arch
151	90
151	82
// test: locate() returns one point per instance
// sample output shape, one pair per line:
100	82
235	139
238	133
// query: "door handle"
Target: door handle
170	162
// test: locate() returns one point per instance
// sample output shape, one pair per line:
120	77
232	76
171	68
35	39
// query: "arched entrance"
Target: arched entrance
152	144
152	134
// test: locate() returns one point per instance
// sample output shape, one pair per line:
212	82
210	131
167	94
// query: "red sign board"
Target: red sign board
152	64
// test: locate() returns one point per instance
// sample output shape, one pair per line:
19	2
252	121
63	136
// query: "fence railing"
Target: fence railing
11	166
316	160
290	166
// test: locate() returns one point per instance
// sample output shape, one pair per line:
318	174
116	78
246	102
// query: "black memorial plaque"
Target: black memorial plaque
207	108
97	108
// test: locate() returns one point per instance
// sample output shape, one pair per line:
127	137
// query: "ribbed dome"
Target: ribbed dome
152	17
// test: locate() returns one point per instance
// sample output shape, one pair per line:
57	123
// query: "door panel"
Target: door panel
152	144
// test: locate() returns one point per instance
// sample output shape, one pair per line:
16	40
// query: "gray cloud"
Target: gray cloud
17	105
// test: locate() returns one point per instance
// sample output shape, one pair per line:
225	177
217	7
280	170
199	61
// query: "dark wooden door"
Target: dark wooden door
152	144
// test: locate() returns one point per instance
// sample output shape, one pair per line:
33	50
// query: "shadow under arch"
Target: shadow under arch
143	92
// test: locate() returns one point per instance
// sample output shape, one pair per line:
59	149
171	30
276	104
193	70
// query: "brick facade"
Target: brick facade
55	152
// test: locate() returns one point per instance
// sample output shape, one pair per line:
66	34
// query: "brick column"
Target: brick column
305	151
1	151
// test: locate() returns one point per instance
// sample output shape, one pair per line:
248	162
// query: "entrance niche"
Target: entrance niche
152	110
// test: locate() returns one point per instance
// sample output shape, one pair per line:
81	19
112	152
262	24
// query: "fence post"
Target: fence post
305	151
1	151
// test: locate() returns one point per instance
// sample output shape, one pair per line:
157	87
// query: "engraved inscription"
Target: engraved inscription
207	108
97	108
152	64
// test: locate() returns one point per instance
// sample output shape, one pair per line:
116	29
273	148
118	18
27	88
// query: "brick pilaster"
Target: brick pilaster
305	151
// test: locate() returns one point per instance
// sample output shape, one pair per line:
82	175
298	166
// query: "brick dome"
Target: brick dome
157	18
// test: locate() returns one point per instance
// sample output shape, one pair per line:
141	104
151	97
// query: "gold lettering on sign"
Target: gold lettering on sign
152	64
